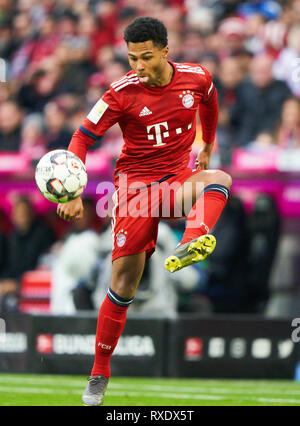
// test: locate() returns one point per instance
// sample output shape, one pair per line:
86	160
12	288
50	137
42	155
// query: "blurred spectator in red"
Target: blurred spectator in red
287	66
58	135
29	239
288	135
10	126
259	101
46	41
106	13
32	137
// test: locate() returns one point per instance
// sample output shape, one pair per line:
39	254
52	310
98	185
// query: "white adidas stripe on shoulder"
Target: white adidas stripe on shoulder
178	65
189	68
122	79
127	84
125	81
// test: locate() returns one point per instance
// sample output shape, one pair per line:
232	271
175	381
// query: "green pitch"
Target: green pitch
42	390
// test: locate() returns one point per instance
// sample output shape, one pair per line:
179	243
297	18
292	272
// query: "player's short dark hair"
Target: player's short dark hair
146	28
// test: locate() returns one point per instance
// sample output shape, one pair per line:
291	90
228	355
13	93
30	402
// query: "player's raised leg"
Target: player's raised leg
126	274
207	191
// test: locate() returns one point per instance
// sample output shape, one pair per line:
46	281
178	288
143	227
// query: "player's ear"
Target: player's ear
165	51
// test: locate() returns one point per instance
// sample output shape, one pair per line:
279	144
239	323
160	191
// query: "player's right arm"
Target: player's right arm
103	115
71	210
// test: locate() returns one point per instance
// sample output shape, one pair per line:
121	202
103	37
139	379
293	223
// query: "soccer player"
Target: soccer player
155	105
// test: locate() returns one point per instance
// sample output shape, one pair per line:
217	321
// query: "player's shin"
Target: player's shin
205	212
111	322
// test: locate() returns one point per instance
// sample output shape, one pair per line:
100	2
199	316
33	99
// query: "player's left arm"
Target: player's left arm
208	113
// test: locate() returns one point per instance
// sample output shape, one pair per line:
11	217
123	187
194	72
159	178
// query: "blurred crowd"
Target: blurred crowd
61	55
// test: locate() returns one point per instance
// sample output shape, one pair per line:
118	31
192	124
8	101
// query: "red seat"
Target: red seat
35	291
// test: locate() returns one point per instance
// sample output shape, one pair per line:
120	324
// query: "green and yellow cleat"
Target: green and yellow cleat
189	253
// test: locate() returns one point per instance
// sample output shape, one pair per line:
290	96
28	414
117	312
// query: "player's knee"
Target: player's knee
125	286
223	178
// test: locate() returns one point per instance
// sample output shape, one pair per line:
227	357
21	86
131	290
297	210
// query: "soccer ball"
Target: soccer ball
60	176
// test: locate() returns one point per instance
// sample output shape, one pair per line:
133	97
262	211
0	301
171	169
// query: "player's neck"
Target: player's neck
166	76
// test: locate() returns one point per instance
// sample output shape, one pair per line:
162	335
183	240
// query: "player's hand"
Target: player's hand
203	157
71	210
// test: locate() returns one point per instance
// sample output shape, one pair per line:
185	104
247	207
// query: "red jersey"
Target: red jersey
158	123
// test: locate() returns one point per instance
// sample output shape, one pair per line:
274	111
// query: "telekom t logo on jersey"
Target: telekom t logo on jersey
158	134
161	130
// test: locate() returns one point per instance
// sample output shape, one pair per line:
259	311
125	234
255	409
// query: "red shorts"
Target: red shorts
137	210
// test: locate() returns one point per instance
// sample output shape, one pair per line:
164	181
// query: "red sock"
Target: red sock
111	322
212	202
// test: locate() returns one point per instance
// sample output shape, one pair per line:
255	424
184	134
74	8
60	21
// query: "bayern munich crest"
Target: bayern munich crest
187	98
121	238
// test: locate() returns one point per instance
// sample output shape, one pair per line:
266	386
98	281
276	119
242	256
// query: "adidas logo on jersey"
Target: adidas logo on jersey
145	111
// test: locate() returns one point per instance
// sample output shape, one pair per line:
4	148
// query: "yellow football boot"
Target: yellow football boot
190	253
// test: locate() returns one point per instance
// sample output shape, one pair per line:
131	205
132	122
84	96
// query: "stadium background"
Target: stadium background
57	59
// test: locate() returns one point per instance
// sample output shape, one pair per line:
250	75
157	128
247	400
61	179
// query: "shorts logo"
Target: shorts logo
121	238
187	99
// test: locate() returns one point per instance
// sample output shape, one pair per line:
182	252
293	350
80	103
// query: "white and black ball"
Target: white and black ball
60	176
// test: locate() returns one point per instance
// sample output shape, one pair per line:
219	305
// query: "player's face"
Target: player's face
148	61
